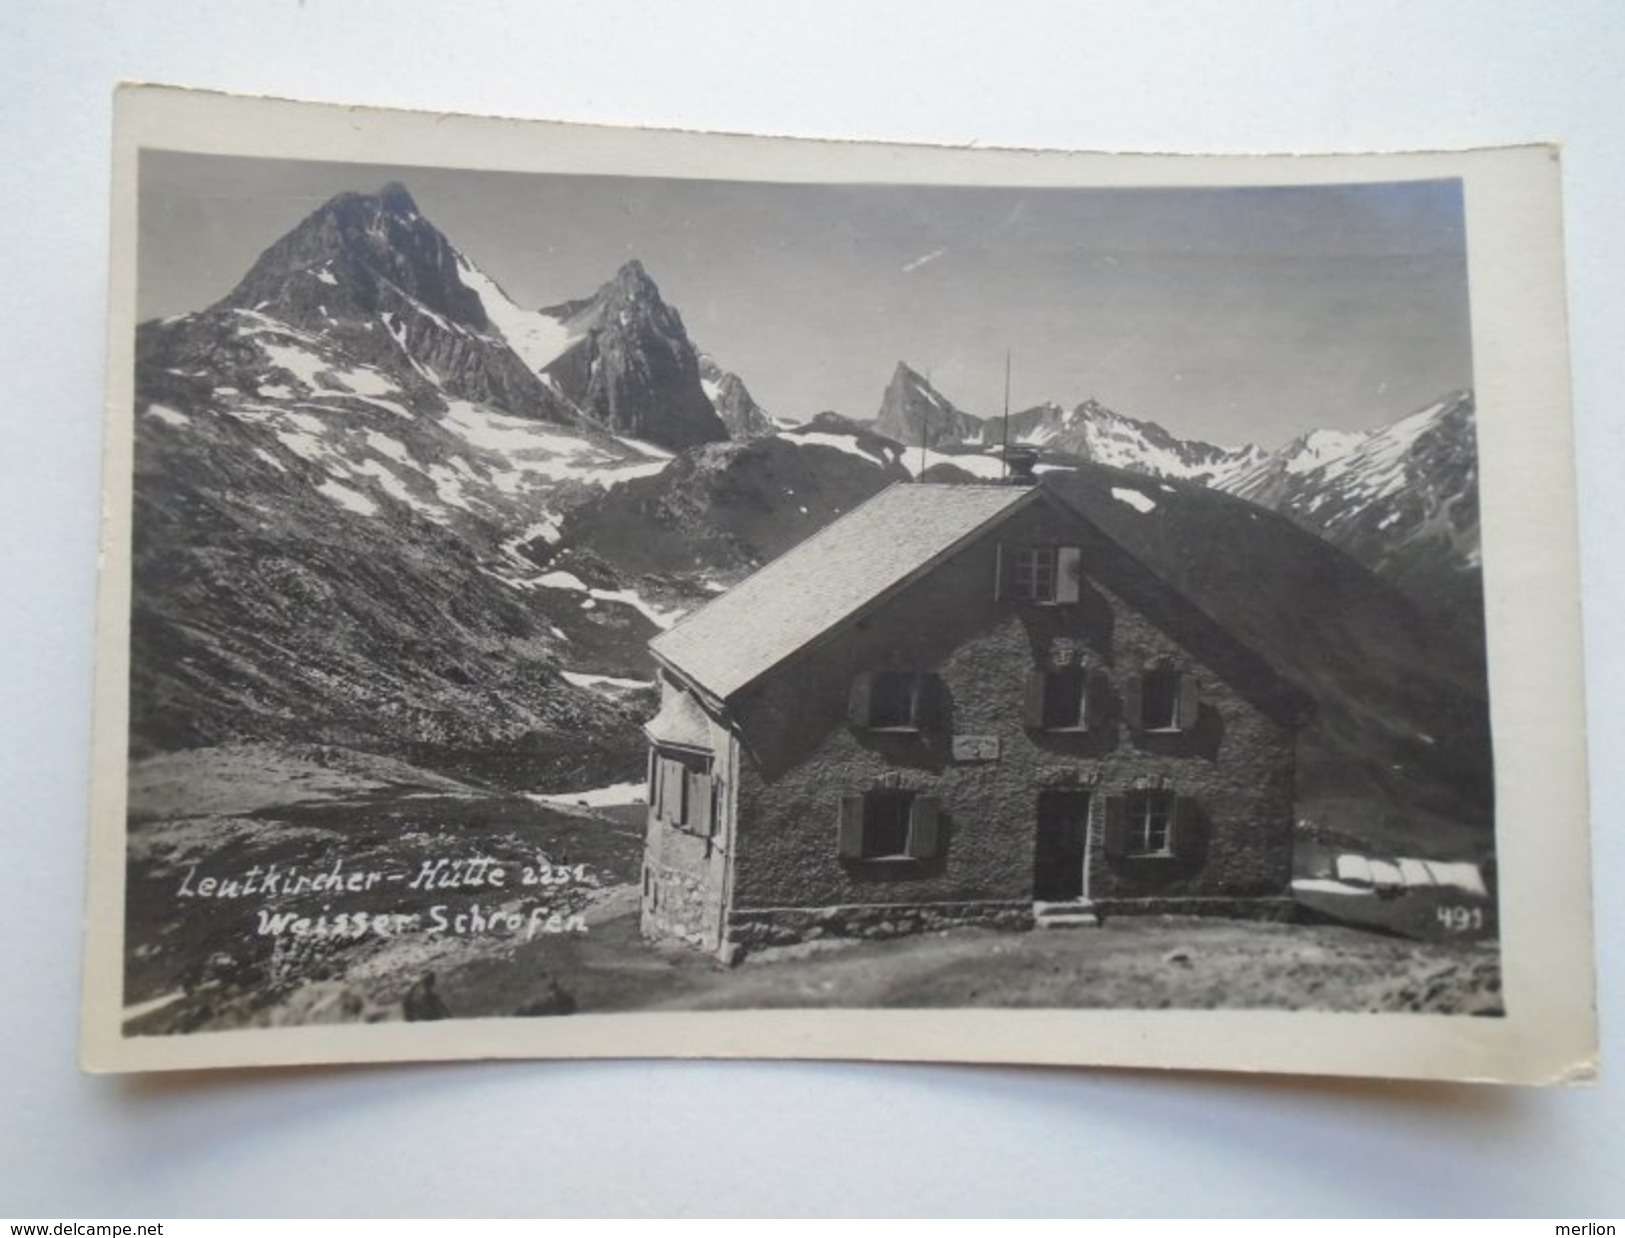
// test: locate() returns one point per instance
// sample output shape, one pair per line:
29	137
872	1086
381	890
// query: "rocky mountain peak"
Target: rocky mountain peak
632	366
396	200
349	255
912	412
740	412
632	280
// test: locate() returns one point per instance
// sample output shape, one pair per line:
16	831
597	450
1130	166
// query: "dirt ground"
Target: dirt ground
205	963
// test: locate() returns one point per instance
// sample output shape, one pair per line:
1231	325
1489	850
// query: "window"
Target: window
895	701
1162	700
682	791
1042	575
1152	823
1062	700
888	824
1035	573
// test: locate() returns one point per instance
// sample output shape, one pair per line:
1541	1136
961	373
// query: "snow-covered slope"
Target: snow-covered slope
1393	497
1403	499
538	339
1091	431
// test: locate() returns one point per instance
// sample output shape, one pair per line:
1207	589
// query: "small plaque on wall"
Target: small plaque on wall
976	747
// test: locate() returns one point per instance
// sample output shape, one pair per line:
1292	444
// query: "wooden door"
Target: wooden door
1063	826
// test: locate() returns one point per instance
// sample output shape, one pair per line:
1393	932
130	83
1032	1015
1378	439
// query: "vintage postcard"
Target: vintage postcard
591	592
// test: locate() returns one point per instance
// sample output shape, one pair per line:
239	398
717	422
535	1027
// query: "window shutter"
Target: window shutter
932	714
701	802
1189	702
857	700
1000	570
1133	695
1116	825
850	834
671	790
1184	829
1068	573
653	794
1033	705
1094	700
923	817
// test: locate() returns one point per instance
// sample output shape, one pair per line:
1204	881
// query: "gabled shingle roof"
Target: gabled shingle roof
804	593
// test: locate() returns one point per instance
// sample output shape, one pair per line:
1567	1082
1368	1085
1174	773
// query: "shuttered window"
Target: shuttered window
896	701
1152	823
887	824
1043	575
683	791
1163	699
1063	700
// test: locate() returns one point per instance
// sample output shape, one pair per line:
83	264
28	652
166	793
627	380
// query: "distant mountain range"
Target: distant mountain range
378	504
1402	498
914	413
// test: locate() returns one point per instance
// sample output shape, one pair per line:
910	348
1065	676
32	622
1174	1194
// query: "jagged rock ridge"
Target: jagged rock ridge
733	402
630	365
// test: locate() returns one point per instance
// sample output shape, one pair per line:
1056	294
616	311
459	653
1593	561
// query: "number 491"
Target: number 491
1460	919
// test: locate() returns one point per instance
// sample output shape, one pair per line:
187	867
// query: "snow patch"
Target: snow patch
390	483
1139	501
583	680
629	597
167	415
347	498
394	449
303	364
364	380
536	449
302	445
988	468
618	795
562	580
536	338
840	442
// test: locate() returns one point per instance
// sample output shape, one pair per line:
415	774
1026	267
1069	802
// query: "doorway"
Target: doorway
1063	833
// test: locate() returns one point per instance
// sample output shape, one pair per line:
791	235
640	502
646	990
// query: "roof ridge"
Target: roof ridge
812	540
762	567
829	579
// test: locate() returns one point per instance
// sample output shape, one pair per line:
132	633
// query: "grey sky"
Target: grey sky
1231	315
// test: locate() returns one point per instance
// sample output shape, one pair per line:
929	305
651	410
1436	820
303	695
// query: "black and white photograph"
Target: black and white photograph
556	594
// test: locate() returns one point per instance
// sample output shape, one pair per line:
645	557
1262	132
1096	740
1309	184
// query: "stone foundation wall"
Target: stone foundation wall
1277	908
783	926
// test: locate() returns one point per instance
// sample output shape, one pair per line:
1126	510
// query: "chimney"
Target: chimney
1019	461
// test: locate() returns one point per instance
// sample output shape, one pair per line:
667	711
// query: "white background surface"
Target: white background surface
757	1138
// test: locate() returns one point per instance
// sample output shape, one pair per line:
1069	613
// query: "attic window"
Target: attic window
893	701
888	824
1162	701
1040	575
1036	573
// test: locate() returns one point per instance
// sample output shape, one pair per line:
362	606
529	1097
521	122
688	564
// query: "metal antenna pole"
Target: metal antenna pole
1004	450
